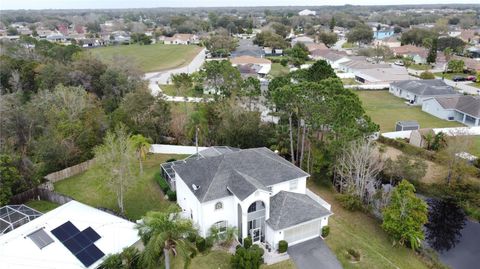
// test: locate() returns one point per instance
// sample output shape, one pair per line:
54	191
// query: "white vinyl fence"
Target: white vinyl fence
448	131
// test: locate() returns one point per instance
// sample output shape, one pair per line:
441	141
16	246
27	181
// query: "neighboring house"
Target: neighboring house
307	12
72	236
381	75
419	139
262	65
408	50
461	108
255	190
272	51
470	64
335	59
382	33
181	39
302	39
468	36
415	91
391	42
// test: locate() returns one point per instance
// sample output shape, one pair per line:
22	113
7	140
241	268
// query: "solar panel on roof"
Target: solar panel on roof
65	231
91	234
40	238
90	255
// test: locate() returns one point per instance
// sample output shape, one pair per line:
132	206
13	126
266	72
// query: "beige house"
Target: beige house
181	39
418	138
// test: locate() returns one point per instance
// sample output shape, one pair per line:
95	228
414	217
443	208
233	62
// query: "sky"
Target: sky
104	4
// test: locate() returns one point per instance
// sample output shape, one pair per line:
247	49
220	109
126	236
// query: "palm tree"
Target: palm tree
163	233
142	147
127	259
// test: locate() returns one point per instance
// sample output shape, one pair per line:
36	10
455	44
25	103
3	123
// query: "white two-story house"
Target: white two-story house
255	190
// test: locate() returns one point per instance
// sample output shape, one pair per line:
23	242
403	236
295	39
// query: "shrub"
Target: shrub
247	242
427	75
354	254
192	237
350	202
201	244
162	183
247	258
282	246
284	62
172	196
325	231
171	160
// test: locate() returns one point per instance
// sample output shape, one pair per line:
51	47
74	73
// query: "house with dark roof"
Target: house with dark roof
461	108
415	91
260	193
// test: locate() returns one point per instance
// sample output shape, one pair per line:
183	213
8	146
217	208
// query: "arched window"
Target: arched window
256	206
218	205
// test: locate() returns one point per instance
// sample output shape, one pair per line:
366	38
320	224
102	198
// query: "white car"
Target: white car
400	63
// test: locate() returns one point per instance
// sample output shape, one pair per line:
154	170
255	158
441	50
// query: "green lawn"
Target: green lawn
474	84
156	57
363	233
386	109
42	206
349	81
279	70
476	146
218	259
348	45
420	67
91	187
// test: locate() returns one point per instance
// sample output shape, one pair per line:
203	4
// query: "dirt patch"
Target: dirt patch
436	173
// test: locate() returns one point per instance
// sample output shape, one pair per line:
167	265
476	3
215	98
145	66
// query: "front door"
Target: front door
255	234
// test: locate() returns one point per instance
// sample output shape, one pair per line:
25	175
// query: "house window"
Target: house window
293	185
221	226
218	205
270	189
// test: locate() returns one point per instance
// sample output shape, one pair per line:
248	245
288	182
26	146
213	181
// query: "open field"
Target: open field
92	188
278	70
155	57
386	109
42	206
476	146
363	233
424	67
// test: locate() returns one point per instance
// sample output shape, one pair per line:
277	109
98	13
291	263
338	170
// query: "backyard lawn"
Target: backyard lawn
476	146
386	109
42	206
358	231
279	70
92	188
155	57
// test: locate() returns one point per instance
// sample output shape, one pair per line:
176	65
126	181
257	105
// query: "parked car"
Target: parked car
472	78
400	63
458	78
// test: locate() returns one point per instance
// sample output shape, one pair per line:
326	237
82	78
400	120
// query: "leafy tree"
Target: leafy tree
332	24
361	33
456	66
164	233
298	54
329	39
182	82
221	77
8	177
270	39
405	215
416	36
12	31
454	43
432	53
397	29
405	166
251	89
247	258
116	156
141	38
221	44
142	146
319	71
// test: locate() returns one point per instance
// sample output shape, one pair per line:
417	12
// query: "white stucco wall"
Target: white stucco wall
431	106
187	201
212	215
285	186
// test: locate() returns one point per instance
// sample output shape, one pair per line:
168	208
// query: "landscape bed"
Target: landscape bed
150	58
386	109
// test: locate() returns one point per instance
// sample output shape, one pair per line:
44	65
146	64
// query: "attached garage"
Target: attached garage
295	217
303	232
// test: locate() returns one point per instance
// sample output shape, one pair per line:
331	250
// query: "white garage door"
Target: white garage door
302	232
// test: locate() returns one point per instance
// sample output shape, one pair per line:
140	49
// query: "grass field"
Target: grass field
156	57
386	109
91	187
363	233
476	146
42	206
349	81
420	67
278	70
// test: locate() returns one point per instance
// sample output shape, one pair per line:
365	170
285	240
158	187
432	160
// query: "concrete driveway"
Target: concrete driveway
313	254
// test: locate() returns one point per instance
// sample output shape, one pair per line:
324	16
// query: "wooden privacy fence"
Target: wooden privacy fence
42	194
70	171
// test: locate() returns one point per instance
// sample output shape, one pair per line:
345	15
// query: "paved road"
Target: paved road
313	254
163	77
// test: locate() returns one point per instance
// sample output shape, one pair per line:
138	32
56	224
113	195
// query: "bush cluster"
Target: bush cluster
325	231
350	202
172	196
282	246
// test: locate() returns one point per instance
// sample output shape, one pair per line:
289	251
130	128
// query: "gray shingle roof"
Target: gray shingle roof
427	87
240	172
288	209
465	103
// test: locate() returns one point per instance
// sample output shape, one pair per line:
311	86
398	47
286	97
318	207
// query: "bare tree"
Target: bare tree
458	143
357	169
117	156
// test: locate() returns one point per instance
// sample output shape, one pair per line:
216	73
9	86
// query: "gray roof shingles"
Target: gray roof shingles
427	87
464	103
241	172
288	209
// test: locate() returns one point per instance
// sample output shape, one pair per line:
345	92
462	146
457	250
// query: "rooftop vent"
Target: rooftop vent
195	187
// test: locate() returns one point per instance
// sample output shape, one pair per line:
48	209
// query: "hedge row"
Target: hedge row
172	196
